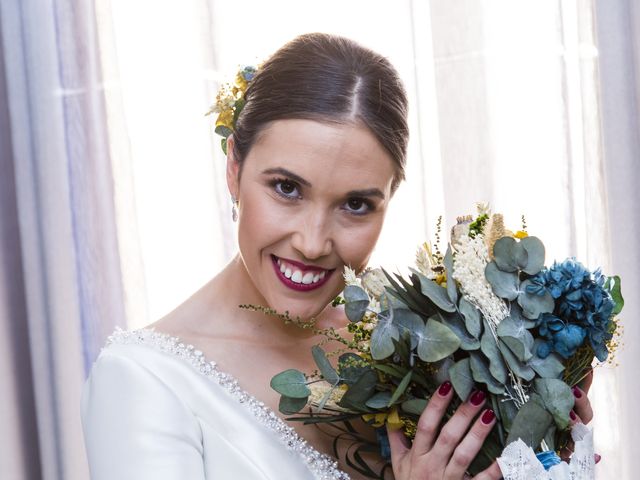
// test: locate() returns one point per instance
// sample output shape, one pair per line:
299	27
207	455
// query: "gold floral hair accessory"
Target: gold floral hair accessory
229	103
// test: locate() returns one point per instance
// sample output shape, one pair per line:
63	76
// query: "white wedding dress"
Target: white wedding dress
154	408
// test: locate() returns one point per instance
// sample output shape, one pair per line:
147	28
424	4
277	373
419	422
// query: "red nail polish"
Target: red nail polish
597	457
444	389
572	414
576	392
488	416
477	398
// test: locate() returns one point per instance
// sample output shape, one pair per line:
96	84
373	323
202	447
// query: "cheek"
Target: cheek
355	247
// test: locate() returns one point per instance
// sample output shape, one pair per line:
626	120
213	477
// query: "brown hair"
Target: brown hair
327	78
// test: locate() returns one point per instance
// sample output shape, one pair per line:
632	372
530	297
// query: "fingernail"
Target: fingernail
477	398
572	414
597	457
576	392
444	389
488	416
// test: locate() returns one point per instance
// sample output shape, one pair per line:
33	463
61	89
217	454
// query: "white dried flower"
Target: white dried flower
350	277
423	259
471	259
374	282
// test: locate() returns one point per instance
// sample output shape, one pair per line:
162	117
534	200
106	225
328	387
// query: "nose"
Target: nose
312	238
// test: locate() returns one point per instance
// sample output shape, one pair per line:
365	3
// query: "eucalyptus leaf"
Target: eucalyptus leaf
481	374
504	254
471	316
517	367
289	405
356	302
452	289
409	322
291	383
557	397
508	412
437	294
504	284
325	367
379	400
456	323
436	342
382	338
549	367
490	349
400	389
612	284
415	406
442	372
534	305
535	255
351	367
356	396
513	332
223	131
530	424
462	378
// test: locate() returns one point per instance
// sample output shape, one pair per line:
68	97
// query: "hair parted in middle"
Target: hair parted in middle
327	78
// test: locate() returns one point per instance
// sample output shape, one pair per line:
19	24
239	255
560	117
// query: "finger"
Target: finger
471	444
429	421
491	473
398	443
457	426
585	383
582	406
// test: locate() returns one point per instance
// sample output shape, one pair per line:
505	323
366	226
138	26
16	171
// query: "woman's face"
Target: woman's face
312	199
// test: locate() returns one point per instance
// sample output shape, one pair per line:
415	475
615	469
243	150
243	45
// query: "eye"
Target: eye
358	206
286	188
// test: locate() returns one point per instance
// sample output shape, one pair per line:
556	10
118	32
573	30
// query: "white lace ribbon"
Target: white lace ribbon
519	462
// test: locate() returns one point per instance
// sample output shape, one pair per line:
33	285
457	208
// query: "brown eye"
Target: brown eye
287	189
358	206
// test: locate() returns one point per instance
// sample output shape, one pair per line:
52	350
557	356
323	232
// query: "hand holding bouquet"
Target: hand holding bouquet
487	313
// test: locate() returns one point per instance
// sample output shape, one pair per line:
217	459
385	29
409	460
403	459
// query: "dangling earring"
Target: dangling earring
234	209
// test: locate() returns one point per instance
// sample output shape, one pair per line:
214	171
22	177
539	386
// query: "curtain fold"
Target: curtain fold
618	30
65	221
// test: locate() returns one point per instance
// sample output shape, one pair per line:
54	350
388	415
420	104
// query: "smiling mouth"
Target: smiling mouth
299	277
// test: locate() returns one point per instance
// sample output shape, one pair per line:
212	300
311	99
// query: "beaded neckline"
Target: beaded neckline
322	466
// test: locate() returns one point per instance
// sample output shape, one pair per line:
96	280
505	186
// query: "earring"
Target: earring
234	209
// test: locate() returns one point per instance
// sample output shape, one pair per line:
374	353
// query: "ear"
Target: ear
233	170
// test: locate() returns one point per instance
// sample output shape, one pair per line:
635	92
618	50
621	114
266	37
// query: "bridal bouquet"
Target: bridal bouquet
488	312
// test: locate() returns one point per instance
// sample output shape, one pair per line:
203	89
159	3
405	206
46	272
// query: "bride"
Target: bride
314	159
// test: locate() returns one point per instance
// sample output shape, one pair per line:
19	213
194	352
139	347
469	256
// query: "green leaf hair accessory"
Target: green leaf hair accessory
229	103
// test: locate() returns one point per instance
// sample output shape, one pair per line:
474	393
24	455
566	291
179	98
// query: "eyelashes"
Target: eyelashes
290	190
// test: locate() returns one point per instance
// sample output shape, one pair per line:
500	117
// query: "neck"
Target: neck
233	287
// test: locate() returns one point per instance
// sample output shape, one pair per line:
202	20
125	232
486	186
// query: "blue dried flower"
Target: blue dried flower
548	459
583	309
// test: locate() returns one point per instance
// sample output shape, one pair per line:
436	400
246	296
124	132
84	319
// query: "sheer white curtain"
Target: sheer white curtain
60	281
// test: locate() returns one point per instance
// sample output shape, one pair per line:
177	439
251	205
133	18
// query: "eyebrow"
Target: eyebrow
369	192
286	173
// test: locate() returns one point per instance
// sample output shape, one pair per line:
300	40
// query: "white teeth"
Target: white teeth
322	275
287	273
316	278
283	267
308	278
296	277
279	261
